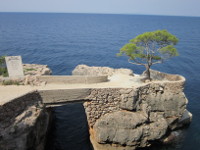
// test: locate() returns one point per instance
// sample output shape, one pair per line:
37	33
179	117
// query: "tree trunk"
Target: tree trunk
147	72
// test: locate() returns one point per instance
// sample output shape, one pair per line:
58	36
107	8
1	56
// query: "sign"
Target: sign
14	66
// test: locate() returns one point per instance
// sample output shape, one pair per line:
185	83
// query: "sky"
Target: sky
148	7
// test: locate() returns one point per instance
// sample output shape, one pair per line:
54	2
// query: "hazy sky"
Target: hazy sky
158	7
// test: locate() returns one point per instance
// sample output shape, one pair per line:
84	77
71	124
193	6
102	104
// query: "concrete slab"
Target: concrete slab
63	95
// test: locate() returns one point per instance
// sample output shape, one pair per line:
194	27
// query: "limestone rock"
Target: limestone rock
119	127
36	69
162	98
99	71
129	129
32	71
27	132
186	118
157	129
173	137
128	100
130	118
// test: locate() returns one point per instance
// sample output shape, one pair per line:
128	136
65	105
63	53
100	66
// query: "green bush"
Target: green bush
4	72
3	69
29	69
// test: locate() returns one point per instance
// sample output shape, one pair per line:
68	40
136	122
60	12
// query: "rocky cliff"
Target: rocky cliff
118	118
126	119
24	123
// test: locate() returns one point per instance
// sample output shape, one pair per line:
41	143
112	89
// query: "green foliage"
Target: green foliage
150	47
162	37
29	69
3	72
3	69
2	60
169	50
10	82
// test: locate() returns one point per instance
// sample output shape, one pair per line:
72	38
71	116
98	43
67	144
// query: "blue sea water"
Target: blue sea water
63	41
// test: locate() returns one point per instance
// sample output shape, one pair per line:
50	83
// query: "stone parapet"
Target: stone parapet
73	79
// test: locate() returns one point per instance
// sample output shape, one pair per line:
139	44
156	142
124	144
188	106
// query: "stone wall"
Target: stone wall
72	79
156	75
24	123
101	102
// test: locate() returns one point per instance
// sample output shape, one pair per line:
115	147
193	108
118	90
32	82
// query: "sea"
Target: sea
64	40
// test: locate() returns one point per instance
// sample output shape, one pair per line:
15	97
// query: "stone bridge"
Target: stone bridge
62	96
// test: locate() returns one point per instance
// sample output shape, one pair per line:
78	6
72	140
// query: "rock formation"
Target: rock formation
24	123
118	118
99	71
36	69
126	119
31	73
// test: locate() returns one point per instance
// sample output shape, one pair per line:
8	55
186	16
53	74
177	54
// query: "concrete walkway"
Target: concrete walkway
9	92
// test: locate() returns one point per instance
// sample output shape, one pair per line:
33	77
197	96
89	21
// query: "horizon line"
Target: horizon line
106	13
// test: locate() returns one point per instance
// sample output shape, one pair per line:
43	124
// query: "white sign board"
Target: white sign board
14	66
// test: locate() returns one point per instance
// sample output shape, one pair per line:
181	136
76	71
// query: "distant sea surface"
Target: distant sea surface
62	41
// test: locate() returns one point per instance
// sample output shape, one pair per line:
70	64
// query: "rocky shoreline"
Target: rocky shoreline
118	118
31	72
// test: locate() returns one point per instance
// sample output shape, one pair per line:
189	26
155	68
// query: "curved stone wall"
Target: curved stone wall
161	76
73	79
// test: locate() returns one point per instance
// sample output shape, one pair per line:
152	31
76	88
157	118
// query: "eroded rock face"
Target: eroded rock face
24	123
32	71
36	69
126	119
163	97
99	71
128	99
127	130
27	132
120	128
